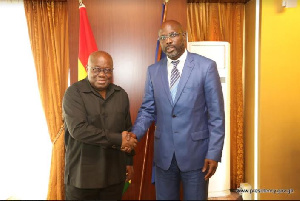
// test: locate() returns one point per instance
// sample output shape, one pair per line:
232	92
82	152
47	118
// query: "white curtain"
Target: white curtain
25	147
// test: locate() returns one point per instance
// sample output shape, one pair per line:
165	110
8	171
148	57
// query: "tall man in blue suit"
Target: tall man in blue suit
183	95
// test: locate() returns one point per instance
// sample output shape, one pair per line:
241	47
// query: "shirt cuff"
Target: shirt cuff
214	155
115	140
138	132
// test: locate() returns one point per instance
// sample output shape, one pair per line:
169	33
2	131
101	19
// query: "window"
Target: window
25	146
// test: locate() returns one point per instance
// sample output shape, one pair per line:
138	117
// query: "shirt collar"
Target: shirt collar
89	88
181	58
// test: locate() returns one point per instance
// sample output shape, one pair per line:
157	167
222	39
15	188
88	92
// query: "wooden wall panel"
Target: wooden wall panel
127	29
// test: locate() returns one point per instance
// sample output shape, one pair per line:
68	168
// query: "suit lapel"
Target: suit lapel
186	72
163	71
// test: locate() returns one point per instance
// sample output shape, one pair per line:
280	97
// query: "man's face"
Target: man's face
100	80
172	40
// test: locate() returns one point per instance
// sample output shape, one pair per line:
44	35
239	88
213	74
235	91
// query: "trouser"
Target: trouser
167	183
113	192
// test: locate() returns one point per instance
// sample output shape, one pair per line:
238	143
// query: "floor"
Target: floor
232	196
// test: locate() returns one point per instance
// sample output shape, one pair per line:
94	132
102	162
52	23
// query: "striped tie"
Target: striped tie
174	80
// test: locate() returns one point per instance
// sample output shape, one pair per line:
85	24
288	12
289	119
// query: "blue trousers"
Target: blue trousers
167	183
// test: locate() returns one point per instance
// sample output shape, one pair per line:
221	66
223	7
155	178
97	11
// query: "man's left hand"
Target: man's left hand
129	172
211	165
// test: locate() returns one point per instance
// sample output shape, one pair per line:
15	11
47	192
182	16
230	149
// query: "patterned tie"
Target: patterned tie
174	80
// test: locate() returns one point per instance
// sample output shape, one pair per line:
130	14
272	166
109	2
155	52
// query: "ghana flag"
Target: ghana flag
87	43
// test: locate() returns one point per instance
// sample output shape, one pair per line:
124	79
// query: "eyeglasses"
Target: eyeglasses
170	35
98	70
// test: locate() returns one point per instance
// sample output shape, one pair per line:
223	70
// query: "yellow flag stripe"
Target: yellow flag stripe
81	71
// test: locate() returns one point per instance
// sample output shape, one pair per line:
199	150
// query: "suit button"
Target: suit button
114	146
173	115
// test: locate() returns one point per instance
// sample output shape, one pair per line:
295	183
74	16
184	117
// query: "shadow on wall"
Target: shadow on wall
278	6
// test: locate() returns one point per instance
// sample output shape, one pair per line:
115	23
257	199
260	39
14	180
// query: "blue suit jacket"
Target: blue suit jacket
192	126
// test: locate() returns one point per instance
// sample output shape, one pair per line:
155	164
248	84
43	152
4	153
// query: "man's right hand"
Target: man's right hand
129	141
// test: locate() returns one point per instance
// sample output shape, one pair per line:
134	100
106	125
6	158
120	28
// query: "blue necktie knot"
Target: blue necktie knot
175	62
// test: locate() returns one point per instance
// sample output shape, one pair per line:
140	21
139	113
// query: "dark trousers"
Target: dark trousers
167	183
113	192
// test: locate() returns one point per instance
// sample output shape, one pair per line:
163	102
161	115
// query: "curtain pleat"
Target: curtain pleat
48	31
224	22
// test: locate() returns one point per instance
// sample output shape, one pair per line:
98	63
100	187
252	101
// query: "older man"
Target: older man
97	117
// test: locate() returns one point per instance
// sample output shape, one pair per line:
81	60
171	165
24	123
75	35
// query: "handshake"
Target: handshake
129	141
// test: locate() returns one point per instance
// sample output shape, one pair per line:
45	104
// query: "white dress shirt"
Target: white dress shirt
180	65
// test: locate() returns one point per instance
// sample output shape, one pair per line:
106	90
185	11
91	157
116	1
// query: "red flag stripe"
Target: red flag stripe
87	43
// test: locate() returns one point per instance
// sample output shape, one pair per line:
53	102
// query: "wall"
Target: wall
249	90
279	98
127	29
